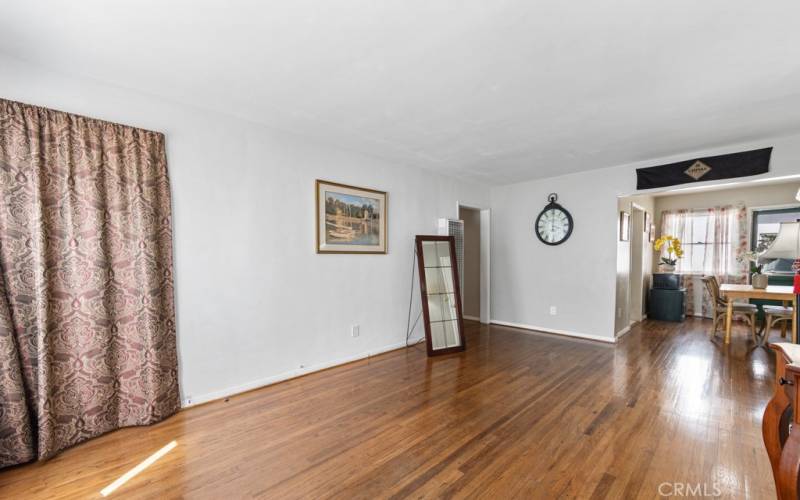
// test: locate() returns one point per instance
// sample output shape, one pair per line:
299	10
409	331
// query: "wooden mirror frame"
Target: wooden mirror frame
423	285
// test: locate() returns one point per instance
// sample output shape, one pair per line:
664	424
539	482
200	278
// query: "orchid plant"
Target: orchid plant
751	257
673	247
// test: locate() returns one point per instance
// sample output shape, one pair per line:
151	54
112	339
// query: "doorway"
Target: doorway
475	275
637	284
634	260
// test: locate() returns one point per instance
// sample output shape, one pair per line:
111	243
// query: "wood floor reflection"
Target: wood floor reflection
518	415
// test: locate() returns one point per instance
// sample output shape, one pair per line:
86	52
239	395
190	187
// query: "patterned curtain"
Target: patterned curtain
712	240
87	320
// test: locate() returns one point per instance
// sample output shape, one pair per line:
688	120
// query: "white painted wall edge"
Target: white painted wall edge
565	333
486	265
624	331
282	377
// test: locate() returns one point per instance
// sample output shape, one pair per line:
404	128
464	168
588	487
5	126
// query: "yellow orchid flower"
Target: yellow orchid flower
673	246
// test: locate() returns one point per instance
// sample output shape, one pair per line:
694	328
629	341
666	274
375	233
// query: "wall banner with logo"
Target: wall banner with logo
711	168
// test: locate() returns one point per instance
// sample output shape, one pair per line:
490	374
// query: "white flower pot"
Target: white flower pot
759	281
666	268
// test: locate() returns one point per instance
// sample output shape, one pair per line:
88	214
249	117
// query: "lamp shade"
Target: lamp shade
786	244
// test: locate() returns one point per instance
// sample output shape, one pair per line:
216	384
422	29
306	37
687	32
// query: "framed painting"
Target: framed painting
350	219
624	226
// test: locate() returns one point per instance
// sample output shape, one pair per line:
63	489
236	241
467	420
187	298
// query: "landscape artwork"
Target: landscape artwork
350	219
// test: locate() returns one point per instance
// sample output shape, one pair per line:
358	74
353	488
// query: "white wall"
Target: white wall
255	303
579	276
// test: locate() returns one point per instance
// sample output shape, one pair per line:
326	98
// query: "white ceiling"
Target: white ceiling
494	91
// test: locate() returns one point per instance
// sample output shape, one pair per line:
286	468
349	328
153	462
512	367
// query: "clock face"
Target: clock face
554	225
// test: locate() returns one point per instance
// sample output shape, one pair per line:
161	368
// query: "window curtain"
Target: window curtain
712	240
87	318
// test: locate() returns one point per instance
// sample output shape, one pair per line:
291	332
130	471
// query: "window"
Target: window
696	248
711	239
764	229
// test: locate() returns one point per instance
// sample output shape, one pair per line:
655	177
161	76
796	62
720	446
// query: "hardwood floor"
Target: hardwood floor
518	415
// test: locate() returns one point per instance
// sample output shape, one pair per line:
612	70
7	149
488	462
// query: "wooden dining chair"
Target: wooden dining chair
720	308
776	315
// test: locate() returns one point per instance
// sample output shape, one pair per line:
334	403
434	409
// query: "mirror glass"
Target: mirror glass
440	293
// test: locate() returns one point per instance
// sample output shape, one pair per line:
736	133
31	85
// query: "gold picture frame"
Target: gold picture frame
350	219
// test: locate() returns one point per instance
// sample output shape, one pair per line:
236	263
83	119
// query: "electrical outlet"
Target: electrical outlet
553	311
355	331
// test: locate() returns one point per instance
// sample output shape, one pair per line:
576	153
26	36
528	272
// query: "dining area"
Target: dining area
768	301
776	309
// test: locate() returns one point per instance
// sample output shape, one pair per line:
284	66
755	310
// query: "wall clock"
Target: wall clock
554	224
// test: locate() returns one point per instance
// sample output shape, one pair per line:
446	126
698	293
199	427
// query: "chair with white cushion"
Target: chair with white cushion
720	307
775	315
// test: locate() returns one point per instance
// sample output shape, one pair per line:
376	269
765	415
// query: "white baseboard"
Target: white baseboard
566	333
255	384
624	331
471	318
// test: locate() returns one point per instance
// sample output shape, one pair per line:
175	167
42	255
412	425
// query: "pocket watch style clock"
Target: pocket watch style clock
554	224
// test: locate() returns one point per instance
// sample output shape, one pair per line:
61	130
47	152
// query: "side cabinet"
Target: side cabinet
667	305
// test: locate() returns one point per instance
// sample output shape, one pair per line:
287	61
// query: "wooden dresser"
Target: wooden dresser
780	427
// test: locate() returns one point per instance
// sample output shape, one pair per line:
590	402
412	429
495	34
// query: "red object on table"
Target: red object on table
796	269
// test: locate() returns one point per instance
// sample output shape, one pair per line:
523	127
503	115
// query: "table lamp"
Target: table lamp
787	246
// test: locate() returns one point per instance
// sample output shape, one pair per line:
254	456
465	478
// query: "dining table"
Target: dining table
780	293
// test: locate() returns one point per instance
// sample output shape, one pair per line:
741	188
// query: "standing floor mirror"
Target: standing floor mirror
441	296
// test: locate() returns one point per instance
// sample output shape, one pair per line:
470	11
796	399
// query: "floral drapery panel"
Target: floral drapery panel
87	317
712	240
